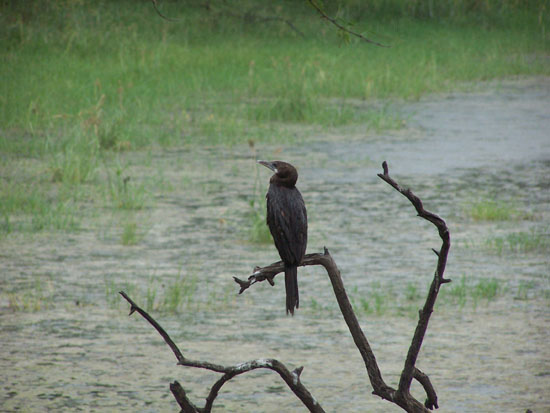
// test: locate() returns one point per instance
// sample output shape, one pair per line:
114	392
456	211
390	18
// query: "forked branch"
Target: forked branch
400	396
291	378
409	369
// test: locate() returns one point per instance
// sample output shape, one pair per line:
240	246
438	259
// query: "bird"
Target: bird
287	222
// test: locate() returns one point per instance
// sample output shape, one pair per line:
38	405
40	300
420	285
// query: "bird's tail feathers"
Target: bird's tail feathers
291	287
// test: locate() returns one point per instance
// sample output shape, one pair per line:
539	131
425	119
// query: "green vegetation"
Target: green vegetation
84	82
381	301
258	230
525	290
129	232
30	206
37	297
124	194
462	292
537	240
177	295
493	210
130	78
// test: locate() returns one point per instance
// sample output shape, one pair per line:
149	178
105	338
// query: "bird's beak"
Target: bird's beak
268	165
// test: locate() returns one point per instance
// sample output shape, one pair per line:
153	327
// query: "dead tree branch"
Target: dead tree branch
409	369
155	6
400	396
247	16
342	27
291	378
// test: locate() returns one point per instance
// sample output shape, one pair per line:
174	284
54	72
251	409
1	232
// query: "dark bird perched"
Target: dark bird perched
287	221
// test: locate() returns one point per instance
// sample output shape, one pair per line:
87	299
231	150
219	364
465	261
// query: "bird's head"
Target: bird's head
285	173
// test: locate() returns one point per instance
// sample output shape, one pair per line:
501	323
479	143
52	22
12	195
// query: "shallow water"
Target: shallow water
83	353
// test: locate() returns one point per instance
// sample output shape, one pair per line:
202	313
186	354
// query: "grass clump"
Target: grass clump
537	240
259	231
465	292
125	195
376	301
76	162
179	294
381	301
129	232
171	297
174	296
36	298
494	210
33	207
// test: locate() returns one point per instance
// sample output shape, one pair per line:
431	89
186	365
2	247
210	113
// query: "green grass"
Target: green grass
493	210
75	162
256	224
176	296
172	297
258	231
132	79
537	240
124	193
382	301
30	206
526	290
129	232
38	297
465	292
84	81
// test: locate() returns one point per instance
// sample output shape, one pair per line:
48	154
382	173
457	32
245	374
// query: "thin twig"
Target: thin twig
155	5
343	28
134	307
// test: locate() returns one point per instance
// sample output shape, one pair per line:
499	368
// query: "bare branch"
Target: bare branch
292	379
155	5
412	355
269	272
282	19
341	27
401	396
253	17
134	307
181	398
380	388
424	380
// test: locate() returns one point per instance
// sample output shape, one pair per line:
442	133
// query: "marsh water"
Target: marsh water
81	352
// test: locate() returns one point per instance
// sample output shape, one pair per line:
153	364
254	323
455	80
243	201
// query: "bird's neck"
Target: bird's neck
287	182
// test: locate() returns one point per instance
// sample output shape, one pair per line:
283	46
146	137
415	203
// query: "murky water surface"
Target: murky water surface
83	353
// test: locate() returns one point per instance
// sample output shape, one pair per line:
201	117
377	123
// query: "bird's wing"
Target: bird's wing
287	221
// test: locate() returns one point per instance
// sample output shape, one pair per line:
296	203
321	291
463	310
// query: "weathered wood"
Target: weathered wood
400	396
